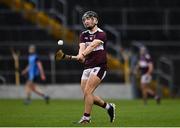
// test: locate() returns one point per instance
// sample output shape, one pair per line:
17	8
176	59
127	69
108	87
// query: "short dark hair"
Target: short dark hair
90	14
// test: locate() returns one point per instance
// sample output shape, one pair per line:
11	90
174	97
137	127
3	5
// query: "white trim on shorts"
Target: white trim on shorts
87	72
146	79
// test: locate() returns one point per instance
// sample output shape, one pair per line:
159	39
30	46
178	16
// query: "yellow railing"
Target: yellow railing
115	64
42	19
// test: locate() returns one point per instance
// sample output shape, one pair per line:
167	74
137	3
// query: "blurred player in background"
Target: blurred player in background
92	53
35	74
146	67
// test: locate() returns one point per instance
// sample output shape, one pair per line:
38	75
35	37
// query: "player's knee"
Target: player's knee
86	93
33	88
143	86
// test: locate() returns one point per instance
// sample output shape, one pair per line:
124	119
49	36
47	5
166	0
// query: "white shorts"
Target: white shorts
98	71
146	79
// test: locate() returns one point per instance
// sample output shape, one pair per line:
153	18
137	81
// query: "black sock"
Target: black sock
86	114
44	96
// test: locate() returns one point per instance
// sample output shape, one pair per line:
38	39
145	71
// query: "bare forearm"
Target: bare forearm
70	57
151	68
41	70
91	47
81	48
88	50
25	70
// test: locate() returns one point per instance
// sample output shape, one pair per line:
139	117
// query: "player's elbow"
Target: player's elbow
151	67
150	70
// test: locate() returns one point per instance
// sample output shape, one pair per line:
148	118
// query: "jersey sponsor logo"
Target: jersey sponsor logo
91	38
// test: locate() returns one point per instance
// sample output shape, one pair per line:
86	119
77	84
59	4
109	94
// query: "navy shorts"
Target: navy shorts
36	79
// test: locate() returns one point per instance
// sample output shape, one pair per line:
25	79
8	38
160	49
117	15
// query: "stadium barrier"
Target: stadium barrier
69	91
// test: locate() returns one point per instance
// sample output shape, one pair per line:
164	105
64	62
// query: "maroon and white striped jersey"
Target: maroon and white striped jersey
97	58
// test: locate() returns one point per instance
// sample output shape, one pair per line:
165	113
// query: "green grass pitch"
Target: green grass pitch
62	113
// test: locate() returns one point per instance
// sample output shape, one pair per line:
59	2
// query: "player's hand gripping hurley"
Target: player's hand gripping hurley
60	55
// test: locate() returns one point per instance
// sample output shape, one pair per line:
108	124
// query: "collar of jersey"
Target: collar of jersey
93	32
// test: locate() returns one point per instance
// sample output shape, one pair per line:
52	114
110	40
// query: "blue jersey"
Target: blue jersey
33	67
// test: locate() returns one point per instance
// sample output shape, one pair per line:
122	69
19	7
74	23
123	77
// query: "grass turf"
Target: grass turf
62	113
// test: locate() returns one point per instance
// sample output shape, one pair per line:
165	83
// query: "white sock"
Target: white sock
107	106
